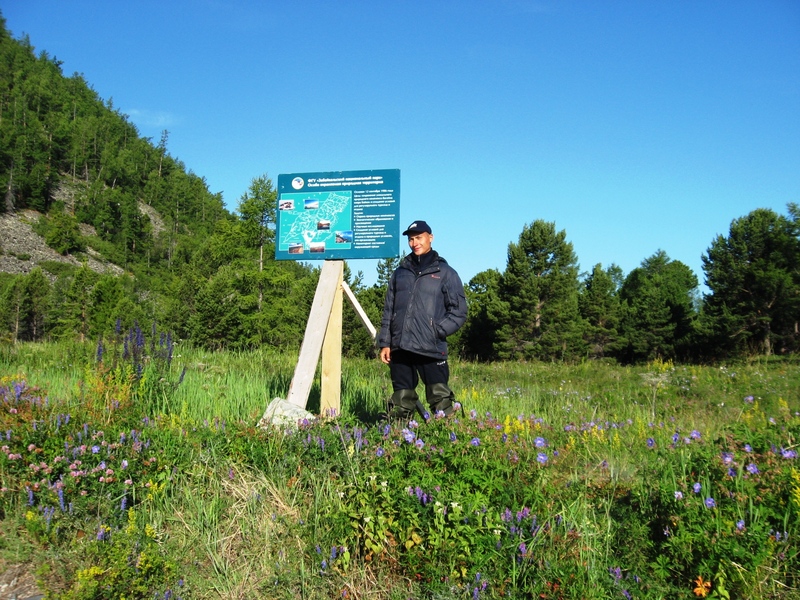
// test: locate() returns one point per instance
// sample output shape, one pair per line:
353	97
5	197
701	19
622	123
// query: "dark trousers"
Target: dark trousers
407	368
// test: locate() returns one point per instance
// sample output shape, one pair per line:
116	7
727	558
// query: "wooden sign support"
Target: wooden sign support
324	334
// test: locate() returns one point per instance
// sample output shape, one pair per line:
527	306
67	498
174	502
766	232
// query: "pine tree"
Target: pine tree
539	288
753	275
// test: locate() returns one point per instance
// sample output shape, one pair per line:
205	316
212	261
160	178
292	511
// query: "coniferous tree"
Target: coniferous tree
257	212
479	338
539	293
600	309
37	293
754	278
658	310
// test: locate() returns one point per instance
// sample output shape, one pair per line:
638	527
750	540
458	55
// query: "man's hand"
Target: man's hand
386	355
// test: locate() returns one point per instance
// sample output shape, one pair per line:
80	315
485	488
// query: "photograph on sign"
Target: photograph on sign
338	215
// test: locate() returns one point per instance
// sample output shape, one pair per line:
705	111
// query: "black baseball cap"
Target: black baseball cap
418	227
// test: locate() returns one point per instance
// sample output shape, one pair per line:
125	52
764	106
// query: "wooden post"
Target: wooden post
324	334
330	279
331	384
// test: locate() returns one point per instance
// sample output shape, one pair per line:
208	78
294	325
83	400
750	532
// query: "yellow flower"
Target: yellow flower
703	587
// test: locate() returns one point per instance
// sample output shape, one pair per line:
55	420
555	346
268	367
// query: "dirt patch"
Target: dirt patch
17	583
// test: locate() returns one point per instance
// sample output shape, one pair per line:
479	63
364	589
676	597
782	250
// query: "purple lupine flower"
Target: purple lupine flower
615	572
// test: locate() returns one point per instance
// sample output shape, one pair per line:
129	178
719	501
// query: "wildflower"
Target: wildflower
473	414
475	441
540	442
419	443
748	399
748	448
752	469
409	436
678	495
541	458
650	442
379	452
696	487
740	525
615	572
703	587
453	436
95	449
710	502
695	435
789	453
727	458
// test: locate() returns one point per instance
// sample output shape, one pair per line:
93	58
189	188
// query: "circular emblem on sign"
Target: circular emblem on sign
298	183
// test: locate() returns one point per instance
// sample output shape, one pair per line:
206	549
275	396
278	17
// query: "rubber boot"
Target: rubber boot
402	404
440	398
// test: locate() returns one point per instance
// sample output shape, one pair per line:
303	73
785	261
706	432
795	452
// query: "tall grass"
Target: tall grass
554	481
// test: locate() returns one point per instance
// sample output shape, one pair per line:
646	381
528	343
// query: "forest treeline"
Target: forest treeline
209	275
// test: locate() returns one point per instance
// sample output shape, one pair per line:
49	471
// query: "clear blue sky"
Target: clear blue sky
633	125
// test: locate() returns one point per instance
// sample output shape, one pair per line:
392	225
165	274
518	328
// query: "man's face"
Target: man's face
420	243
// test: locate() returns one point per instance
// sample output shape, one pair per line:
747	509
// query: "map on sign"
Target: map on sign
316	222
334	215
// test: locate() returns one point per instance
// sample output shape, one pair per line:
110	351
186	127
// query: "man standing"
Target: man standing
424	304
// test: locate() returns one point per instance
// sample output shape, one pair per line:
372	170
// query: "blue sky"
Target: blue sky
633	126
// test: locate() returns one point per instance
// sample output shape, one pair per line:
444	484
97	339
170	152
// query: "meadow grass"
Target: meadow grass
553	481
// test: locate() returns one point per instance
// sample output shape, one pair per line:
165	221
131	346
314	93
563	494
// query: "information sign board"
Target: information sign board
338	215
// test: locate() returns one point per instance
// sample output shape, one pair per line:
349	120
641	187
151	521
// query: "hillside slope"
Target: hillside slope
23	249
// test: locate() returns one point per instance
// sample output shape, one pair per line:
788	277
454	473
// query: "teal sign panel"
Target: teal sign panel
338	215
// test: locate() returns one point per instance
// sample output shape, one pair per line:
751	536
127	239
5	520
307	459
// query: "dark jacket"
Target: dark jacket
422	307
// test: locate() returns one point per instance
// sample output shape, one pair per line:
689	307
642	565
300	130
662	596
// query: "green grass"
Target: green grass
556	481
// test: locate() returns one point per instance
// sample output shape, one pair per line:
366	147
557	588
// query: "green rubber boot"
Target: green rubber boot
402	404
440	398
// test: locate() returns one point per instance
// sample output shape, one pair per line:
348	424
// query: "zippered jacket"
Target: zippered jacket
422	307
